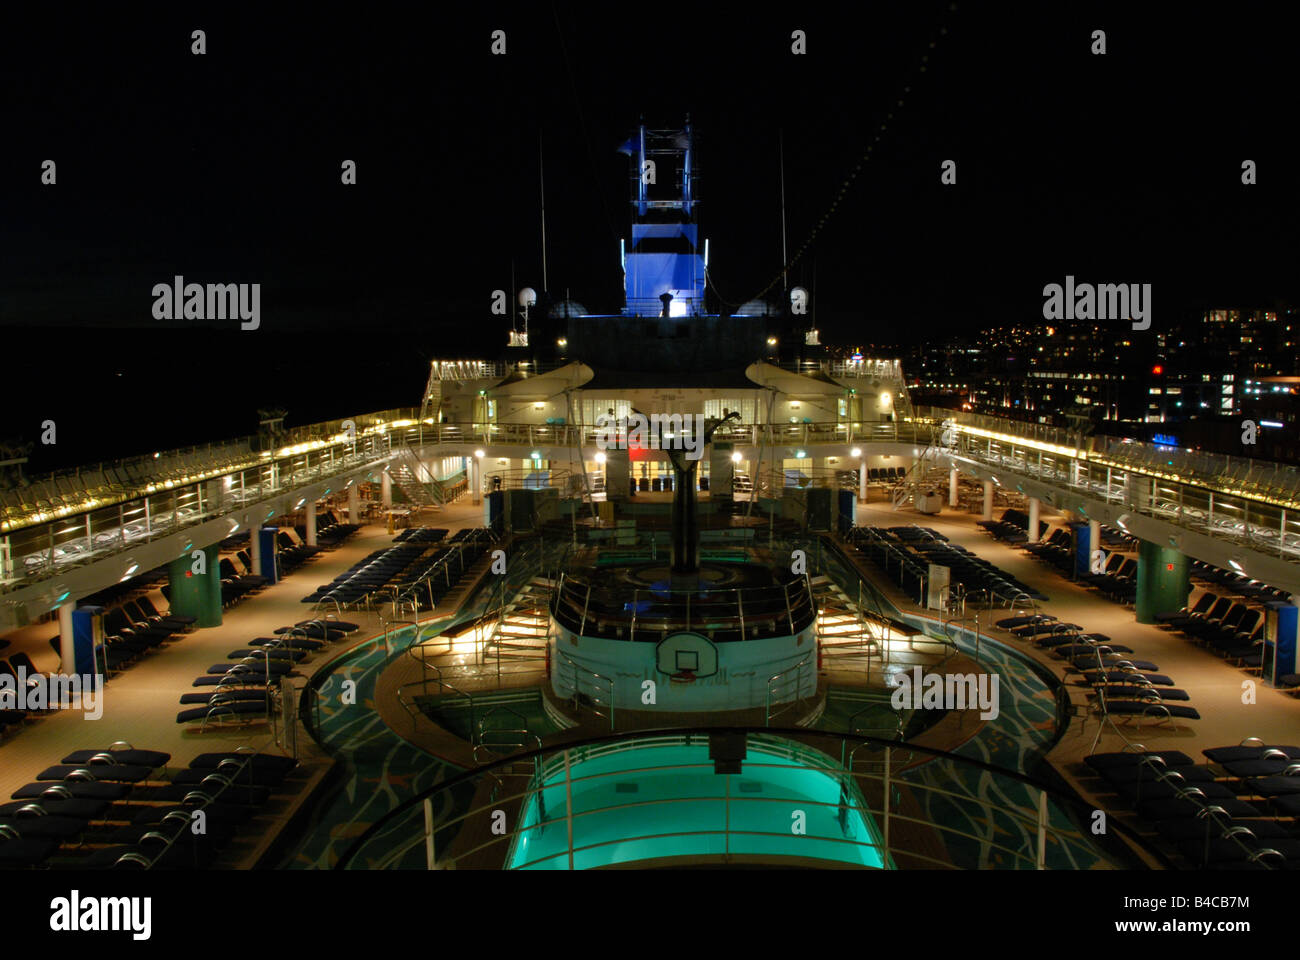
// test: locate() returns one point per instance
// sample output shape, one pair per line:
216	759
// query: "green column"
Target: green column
197	594
1162	583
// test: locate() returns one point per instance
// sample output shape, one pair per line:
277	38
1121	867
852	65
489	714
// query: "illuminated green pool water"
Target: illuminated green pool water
643	802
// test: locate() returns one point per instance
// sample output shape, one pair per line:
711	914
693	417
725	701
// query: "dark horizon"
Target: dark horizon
226	168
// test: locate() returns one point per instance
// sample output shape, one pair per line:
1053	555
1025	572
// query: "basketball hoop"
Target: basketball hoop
686	676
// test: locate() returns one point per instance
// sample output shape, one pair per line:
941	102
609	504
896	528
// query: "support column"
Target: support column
618	475
1162	581
1087	543
988	500
196	586
862	479
311	523
476	479
1033	520
952	487
255	551
67	658
386	490
266	562
722	470
354	502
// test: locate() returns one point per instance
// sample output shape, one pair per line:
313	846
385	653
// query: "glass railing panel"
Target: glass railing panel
651	799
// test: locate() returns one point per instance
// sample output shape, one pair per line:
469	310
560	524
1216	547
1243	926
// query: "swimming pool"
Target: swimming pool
660	798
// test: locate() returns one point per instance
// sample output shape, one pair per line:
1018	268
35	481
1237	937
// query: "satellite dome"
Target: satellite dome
527	297
566	308
755	308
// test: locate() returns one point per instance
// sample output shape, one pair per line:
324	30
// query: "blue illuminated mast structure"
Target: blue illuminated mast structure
664	265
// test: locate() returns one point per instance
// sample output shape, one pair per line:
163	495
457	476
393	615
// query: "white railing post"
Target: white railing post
1042	831
429	852
568	805
888	755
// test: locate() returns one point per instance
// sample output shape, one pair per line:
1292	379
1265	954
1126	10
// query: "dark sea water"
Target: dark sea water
113	394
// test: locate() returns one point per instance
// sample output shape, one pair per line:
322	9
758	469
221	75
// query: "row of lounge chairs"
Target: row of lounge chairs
1232	629
243	689
1123	686
1012	527
905	553
885	474
133	629
1237	811
368	576
1234	584
421	535
123	808
330	531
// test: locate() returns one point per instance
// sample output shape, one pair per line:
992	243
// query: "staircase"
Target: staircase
844	638
923	473
406	472
522	631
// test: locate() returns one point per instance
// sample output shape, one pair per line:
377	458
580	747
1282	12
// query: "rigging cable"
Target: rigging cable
866	156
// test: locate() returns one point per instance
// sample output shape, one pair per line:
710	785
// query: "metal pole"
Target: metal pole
429	861
726	828
888	755
785	278
568	803
541	176
1042	831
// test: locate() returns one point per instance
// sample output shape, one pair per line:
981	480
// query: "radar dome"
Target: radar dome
755	308
566	308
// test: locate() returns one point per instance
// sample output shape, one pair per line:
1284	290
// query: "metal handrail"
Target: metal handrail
772	682
578	673
442	684
572	603
1032	853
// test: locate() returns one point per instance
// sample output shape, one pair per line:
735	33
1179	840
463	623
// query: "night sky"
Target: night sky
226	168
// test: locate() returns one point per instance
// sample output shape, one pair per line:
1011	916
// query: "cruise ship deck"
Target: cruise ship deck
653	589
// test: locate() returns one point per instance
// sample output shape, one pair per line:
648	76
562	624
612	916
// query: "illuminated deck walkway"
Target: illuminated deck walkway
1228	511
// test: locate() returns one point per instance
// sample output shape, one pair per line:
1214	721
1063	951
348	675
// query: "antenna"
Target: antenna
785	276
541	175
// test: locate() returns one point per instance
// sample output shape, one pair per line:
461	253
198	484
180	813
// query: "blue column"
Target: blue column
1280	640
87	633
270	568
1082	549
